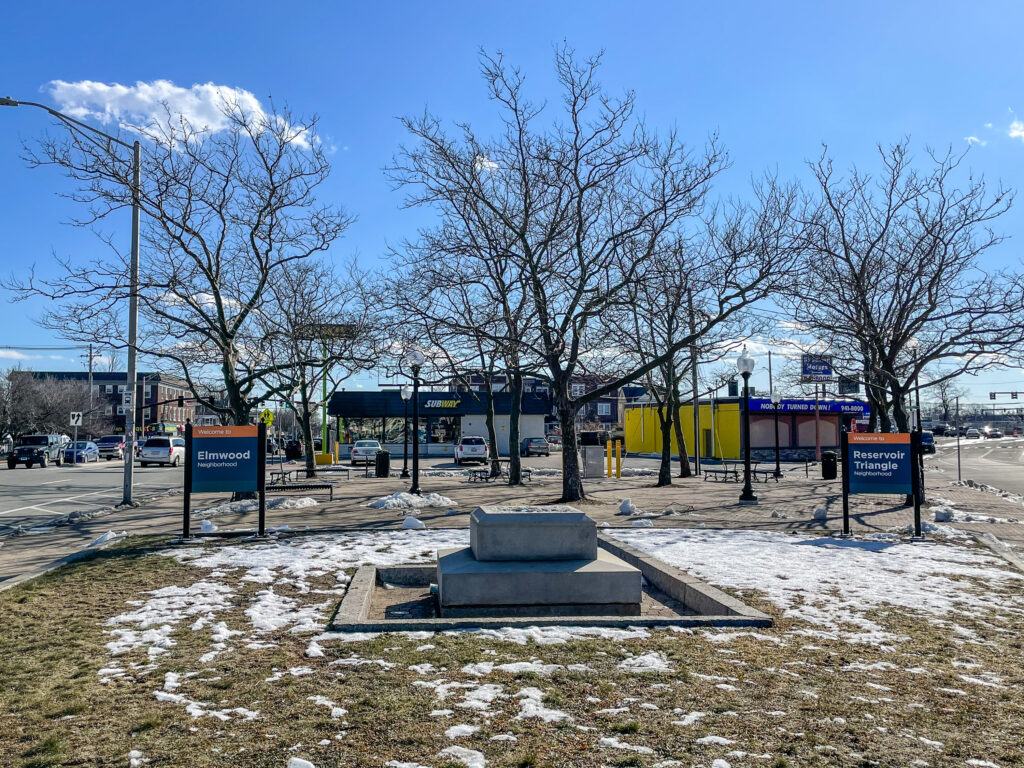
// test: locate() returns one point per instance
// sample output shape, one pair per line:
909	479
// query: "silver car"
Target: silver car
163	450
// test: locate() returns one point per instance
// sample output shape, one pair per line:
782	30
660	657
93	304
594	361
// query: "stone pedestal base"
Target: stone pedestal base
603	585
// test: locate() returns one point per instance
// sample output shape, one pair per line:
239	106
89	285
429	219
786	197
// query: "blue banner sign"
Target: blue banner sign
225	459
816	368
879	463
857	409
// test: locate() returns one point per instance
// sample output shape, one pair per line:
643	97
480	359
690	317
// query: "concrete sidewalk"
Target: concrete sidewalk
692	502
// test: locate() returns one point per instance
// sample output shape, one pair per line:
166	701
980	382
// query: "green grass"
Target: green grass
54	710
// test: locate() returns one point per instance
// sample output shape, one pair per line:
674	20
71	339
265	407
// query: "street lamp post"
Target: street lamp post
406	394
74	125
745	366
776	399
415	359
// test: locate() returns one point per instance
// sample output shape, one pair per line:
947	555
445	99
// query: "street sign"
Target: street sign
848	386
224	459
76	419
879	463
126	398
267	416
816	368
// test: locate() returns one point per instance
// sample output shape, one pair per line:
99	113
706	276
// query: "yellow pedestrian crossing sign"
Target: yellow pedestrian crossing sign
267	416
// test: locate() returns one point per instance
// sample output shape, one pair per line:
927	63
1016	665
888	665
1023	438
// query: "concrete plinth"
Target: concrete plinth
518	533
604	580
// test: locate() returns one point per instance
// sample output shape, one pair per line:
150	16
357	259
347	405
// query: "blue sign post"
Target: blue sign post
229	459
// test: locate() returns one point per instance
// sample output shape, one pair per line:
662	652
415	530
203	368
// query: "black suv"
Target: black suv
37	449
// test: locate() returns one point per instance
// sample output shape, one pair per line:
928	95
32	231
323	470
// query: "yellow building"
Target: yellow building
720	427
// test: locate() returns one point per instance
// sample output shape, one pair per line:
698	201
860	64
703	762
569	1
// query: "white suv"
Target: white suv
163	450
472	449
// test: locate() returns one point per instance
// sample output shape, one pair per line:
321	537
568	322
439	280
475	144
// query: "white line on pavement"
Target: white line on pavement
56	501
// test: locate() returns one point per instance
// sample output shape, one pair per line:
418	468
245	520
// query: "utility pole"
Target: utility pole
696	398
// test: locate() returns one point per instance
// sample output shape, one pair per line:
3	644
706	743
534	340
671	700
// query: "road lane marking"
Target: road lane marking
58	501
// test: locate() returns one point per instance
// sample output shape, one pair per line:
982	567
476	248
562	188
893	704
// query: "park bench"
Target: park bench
480	475
346	470
721	474
765	474
292	487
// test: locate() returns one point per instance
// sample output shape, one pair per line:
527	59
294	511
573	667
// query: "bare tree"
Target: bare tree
894	282
574	212
317	324
226	215
35	402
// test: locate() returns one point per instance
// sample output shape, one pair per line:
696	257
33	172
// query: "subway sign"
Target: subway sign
437	403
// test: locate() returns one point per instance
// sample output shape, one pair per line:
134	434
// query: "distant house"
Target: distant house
159	398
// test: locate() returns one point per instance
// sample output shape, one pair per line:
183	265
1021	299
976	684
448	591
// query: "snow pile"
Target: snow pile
403	500
530	707
945	512
468	757
830	585
252	505
612	742
413	523
207	526
649	662
645	523
108	536
627	507
153	620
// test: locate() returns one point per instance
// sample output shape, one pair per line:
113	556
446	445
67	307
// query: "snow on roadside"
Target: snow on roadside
403	500
945	512
829	583
251	505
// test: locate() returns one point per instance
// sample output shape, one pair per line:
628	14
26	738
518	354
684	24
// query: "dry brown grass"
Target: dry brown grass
55	712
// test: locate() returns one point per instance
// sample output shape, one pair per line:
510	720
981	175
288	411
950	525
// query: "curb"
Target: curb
1000	549
81	554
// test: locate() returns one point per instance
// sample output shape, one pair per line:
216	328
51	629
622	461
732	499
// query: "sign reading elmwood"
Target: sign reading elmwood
225	459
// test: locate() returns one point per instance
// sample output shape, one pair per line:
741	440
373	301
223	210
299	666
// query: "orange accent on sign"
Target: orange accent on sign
247	431
879	437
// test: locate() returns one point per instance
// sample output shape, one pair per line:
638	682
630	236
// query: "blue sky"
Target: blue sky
776	80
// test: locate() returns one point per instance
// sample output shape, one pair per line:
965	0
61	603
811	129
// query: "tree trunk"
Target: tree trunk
899	410
572	483
492	435
306	425
666	421
515	464
677	420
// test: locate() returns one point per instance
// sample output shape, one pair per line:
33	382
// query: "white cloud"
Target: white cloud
147	104
988	125
13	354
971	140
484	164
1017	130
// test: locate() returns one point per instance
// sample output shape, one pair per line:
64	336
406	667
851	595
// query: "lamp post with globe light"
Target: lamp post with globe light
776	399
406	392
415	359
745	366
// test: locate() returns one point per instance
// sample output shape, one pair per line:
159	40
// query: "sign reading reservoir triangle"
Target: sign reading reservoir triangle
225	459
879	463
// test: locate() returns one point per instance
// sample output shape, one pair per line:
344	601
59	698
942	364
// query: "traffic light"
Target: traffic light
1013	395
181	401
991	395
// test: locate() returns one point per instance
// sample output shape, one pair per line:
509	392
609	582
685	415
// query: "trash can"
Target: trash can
829	465
383	465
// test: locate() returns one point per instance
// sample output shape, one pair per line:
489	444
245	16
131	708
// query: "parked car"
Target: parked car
365	451
139	444
994	432
81	452
37	449
293	450
939	430
973	434
534	446
472	449
163	450
927	442
111	447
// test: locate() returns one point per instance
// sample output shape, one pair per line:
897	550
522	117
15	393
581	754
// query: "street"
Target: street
998	462
32	497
